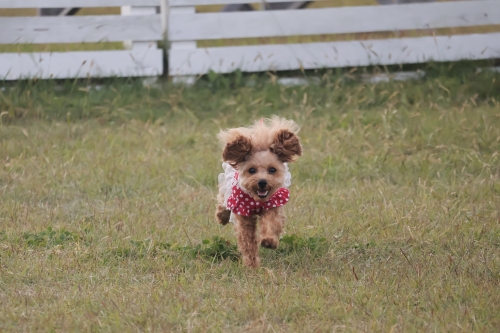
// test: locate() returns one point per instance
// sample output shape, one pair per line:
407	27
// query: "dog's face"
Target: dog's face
261	174
259	154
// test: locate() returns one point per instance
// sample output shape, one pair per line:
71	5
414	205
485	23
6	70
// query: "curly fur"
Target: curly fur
266	144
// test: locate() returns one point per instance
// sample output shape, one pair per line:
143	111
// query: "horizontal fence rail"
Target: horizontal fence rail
79	29
277	23
75	3
336	54
64	65
184	3
139	28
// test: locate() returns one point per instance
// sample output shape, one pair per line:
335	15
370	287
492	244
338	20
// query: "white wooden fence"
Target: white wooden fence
139	25
185	27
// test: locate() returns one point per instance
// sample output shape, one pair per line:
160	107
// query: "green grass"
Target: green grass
107	200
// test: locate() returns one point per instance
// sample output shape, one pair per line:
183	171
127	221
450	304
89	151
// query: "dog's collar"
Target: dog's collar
242	203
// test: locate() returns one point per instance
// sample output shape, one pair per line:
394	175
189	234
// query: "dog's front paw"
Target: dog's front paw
222	215
269	243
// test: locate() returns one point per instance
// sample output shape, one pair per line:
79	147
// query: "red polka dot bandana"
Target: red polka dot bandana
243	204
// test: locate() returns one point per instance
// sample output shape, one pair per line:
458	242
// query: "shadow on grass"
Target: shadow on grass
216	249
50	238
294	244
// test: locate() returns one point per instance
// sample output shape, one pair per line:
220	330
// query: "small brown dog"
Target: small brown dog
255	182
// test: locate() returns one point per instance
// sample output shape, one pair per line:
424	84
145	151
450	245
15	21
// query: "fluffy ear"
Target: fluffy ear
287	146
236	150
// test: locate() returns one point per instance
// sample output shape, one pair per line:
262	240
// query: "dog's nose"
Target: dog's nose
262	183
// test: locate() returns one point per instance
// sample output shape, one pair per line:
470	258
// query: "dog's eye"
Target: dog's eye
272	170
251	171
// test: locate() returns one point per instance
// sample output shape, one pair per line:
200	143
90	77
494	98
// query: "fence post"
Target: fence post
182	45
133	10
164	20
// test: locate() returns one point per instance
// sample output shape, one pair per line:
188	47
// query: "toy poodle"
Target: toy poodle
254	185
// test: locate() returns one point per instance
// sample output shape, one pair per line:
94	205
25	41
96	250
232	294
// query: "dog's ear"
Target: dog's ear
287	146
236	150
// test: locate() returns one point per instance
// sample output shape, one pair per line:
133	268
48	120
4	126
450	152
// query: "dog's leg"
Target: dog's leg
248	242
222	214
271	227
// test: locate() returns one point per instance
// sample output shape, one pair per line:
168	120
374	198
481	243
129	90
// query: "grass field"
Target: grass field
107	199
